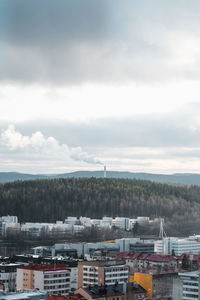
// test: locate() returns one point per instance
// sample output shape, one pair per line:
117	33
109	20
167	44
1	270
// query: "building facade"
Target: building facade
8	275
178	246
54	279
190	285
101	272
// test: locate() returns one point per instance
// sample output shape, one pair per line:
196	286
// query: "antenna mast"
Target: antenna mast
162	232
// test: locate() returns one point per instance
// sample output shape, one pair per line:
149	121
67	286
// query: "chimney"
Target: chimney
104	175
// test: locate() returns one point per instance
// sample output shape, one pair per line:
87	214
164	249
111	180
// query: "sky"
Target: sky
88	83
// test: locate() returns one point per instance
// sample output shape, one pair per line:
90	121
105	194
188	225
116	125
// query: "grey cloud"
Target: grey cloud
70	42
165	130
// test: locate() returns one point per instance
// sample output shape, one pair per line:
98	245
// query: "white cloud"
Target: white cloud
13	140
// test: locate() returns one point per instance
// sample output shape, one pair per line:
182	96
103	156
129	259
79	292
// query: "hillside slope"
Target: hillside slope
55	199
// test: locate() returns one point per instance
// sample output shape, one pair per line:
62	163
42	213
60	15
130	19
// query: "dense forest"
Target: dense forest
49	200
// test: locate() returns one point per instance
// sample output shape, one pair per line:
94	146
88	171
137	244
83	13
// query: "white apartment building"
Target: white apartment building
179	246
71	220
9	219
54	279
9	223
190	285
8	275
122	223
36	229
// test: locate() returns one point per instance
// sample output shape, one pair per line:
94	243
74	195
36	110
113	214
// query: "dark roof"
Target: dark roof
114	290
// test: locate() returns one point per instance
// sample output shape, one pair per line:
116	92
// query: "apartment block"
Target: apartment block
54	279
101	272
8	275
190	285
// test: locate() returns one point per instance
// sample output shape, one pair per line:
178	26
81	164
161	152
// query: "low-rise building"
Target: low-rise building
141	261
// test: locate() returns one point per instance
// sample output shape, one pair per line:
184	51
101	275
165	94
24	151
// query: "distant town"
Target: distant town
125	268
72	225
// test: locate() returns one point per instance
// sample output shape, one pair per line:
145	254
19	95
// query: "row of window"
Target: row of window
27	274
60	292
190	289
191	296
56	275
90	275
66	287
191	283
116	275
117	270
56	281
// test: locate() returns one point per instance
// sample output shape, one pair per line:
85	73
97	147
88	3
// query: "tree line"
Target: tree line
55	199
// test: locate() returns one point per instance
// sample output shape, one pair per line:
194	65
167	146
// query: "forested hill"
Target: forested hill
49	200
163	178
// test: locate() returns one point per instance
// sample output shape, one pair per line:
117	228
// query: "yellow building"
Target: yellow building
145	280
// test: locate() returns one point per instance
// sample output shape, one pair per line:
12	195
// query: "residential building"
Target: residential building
190	285
8	275
54	279
24	295
101	272
142	261
115	291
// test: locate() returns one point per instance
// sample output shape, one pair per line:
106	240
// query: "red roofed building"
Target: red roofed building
71	296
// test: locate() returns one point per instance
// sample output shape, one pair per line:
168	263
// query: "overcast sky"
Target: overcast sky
85	83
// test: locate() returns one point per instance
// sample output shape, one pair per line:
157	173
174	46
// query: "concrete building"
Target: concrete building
177	245
25	295
54	279
190	285
135	245
8	275
101	272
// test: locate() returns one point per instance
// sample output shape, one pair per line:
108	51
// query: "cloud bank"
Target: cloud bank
72	42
